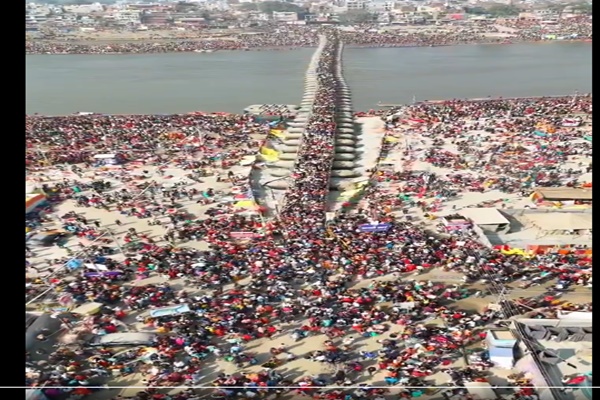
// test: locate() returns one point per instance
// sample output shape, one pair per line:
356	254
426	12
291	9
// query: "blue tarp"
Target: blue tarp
74	264
171	310
375	227
499	352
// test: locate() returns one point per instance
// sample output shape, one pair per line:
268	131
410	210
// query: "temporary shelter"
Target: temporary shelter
558	222
171	310
488	219
91	308
32	201
108	159
501	344
562	194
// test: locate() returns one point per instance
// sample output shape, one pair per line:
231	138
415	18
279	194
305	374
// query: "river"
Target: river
229	81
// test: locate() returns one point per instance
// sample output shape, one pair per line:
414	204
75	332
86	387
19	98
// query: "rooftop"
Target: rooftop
566	193
502	334
484	216
533	227
558	221
563	350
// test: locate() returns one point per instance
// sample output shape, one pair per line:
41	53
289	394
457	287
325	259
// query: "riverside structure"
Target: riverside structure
306	196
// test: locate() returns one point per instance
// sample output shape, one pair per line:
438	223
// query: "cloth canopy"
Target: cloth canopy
561	221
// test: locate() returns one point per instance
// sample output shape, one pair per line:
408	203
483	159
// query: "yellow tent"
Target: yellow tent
349	193
269	154
391	139
517	251
278	133
245	204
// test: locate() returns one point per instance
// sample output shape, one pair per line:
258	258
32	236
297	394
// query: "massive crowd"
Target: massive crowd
522	143
77	138
578	28
301	278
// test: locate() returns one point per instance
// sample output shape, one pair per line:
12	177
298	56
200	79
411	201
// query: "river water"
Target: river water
229	81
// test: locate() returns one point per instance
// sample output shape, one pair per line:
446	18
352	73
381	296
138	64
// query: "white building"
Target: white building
83	9
125	16
285	16
352	5
381	6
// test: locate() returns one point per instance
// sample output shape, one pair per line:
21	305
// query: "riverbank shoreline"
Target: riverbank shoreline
357	113
288	48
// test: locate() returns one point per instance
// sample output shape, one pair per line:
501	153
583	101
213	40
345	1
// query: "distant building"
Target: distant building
196	21
124	17
84	9
142	6
155	18
353	5
379	6
284	16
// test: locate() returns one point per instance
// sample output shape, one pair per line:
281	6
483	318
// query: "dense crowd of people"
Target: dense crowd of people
77	138
578	28
520	143
302	278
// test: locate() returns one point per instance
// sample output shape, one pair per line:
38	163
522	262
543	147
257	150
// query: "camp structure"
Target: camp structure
488	219
563	195
559	223
454	222
108	159
501	345
33	201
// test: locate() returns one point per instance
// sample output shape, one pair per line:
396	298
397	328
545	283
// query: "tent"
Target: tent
502	357
32	201
91	308
561	221
74	264
171	310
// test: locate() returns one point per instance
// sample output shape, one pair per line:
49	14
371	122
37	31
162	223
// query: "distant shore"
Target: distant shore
79	49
